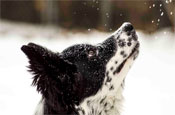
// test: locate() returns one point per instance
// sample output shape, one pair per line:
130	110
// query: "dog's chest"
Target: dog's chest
103	103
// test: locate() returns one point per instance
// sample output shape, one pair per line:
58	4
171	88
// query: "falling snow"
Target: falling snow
158	20
167	1
171	13
107	15
149	84
154	5
162	14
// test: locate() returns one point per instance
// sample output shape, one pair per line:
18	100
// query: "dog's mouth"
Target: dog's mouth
133	54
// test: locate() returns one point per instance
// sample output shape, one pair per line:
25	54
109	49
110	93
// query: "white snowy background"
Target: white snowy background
150	84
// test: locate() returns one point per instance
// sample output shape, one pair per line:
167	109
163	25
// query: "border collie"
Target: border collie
83	79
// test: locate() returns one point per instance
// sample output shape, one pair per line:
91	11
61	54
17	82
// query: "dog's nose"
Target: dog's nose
128	27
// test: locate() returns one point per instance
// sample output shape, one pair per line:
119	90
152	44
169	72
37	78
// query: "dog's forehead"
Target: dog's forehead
78	48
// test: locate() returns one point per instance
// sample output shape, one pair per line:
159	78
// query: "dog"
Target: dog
83	79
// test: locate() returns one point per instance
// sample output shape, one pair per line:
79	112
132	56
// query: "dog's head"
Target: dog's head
81	70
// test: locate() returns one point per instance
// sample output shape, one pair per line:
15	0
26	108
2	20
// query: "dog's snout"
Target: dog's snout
128	27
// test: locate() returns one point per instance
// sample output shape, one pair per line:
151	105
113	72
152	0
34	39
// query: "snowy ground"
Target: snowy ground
150	84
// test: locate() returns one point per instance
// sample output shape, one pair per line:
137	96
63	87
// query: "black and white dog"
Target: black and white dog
84	79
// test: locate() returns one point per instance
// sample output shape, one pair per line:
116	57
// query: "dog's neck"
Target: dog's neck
108	100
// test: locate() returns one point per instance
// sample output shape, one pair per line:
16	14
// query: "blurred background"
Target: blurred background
57	24
106	15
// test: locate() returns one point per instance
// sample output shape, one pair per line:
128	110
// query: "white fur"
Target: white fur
40	108
113	97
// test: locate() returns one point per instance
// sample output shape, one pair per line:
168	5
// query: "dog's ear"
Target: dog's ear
52	74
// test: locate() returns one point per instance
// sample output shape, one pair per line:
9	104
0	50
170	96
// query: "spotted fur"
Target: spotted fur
84	79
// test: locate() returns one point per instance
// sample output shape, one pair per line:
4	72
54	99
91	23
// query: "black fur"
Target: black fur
65	79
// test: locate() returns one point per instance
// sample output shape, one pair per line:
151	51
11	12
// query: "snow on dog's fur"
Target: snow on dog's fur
84	79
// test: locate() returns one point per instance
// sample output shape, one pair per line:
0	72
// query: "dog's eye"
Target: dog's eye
91	53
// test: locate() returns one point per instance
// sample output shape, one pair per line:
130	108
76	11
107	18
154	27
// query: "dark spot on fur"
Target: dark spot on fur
111	68
100	113
112	107
83	112
129	44
116	62
105	104
111	88
108	79
134	37
88	103
106	111
105	83
128	33
102	100
130	39
80	109
125	55
92	110
121	43
122	52
107	74
114	72
113	36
